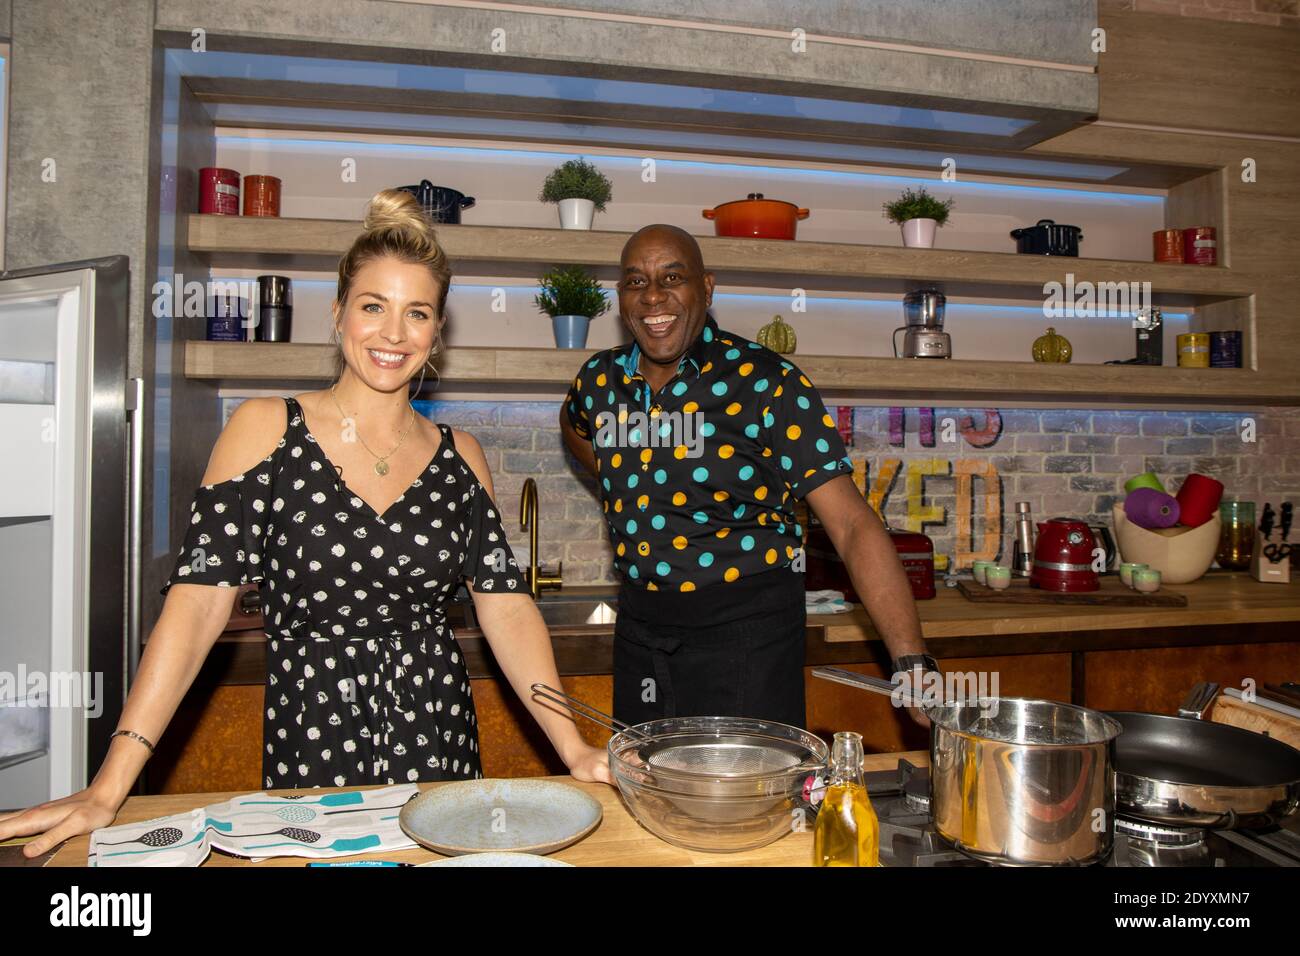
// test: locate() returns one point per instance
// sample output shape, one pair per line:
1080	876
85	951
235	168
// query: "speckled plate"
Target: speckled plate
519	815
497	859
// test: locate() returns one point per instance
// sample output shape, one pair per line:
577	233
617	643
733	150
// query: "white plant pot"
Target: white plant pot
576	213
919	233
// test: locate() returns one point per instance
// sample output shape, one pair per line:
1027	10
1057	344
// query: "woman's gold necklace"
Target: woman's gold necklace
381	461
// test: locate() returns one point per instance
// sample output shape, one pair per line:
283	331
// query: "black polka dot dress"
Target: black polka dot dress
365	681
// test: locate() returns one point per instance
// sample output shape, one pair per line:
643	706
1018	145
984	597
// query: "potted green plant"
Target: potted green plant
579	189
919	214
572	297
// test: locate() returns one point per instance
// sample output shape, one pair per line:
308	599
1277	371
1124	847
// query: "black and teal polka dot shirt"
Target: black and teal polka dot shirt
698	482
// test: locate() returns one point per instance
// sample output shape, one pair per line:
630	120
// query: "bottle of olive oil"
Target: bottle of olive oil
847	832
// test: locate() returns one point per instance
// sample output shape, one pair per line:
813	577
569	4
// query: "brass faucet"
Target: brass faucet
539	579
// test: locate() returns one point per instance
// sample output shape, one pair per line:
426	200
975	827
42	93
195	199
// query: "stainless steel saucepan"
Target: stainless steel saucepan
1014	780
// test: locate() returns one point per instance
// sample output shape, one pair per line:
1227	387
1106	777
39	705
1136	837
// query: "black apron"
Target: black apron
750	664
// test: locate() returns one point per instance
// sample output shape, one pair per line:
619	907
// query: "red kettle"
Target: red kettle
1063	558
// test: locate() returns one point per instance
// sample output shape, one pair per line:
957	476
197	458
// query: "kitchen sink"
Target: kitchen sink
558	610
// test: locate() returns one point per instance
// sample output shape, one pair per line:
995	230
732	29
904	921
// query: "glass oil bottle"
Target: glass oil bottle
847	832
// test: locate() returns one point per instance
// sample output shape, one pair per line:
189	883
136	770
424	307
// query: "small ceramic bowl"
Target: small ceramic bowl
998	577
1126	572
1146	580
981	568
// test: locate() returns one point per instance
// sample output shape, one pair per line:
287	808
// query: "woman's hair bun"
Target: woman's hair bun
399	211
395	208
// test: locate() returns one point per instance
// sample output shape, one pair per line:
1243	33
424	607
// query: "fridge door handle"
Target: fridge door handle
135	524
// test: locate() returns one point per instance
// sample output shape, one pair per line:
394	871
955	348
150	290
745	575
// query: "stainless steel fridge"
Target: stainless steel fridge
70	462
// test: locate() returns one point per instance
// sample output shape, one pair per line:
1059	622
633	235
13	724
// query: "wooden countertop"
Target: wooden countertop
618	841
1221	597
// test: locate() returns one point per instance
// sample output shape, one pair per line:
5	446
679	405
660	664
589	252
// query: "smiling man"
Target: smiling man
701	443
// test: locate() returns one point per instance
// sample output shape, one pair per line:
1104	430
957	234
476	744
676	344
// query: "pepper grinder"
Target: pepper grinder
275	308
1023	556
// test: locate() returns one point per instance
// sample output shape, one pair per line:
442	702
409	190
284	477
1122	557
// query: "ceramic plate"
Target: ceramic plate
497	859
520	815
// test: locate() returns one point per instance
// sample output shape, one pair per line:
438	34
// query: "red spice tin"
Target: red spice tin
218	191
1200	247
261	196
1168	245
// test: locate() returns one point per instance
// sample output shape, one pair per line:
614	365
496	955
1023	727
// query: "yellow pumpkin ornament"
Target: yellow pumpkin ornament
777	336
1052	347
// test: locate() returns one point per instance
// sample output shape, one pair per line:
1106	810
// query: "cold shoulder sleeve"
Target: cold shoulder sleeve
489	564
224	540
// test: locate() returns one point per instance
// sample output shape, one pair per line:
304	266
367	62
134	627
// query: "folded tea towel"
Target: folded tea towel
258	826
826	602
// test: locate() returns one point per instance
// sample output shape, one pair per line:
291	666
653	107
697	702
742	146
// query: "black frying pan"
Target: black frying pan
1184	771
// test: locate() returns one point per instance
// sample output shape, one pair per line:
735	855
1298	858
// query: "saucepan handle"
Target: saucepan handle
866	682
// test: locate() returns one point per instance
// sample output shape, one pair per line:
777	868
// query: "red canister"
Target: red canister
1168	245
261	196
1200	247
218	191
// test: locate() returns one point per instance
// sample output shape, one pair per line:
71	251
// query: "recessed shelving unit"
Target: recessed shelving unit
300	118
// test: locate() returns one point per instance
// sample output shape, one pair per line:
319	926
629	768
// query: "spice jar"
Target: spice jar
1200	248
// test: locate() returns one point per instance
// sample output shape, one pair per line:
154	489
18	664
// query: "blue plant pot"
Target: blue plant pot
570	331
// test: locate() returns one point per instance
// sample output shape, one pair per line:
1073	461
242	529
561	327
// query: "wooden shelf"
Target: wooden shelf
317	243
236	240
551	370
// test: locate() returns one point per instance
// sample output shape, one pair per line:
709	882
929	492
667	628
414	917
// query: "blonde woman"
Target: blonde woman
359	518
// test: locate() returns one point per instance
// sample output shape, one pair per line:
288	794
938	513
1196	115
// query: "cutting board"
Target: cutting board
1113	593
1248	716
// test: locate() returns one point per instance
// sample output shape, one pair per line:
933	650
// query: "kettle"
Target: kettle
1063	557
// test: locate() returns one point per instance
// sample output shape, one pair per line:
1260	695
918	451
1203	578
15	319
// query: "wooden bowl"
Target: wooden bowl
1180	554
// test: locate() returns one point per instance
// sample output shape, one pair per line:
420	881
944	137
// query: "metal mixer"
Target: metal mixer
924	335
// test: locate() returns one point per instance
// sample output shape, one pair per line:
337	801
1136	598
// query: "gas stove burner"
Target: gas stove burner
916	793
1158	833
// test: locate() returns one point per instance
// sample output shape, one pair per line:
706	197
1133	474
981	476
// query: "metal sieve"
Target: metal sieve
694	750
721	757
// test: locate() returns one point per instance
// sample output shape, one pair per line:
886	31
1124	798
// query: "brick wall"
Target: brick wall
1061	461
1267	12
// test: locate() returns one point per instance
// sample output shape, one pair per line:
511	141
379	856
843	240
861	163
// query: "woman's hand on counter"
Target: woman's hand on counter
590	764
58	820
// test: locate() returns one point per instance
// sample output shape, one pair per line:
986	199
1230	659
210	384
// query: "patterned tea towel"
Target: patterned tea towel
259	826
826	602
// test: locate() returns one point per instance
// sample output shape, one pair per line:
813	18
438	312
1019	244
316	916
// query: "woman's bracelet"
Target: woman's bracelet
134	735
